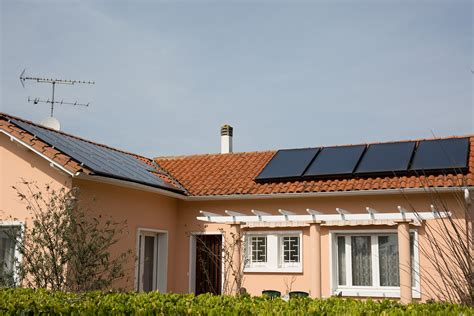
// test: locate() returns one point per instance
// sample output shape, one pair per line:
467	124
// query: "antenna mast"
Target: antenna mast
53	83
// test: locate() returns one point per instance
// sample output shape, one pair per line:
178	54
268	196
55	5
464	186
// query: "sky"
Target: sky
284	74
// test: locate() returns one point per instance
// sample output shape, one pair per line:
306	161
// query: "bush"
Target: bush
30	302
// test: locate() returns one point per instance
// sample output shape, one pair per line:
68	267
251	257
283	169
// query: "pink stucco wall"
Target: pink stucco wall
17	163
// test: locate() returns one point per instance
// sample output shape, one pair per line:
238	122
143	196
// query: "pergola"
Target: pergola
402	218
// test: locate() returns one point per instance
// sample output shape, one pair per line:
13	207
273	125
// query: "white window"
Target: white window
152	250
273	251
258	250
366	264
9	254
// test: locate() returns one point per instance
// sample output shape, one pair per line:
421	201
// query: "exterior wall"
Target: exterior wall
17	163
256	282
140	210
154	211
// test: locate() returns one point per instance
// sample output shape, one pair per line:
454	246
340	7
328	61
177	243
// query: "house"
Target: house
344	220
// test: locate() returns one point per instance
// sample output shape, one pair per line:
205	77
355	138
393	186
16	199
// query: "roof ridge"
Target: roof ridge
8	116
214	154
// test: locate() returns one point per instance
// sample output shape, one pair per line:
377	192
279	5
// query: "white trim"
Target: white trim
160	260
52	162
368	291
324	217
274	255
192	259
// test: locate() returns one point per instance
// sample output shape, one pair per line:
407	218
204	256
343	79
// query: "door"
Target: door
152	261
208	264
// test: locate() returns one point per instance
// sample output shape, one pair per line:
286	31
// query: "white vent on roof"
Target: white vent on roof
226	139
51	122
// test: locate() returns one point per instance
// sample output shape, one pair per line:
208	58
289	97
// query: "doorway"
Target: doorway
152	265
206	264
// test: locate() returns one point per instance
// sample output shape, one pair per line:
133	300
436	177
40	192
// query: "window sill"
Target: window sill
273	270
374	292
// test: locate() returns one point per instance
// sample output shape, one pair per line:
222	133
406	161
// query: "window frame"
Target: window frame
274	252
17	254
375	290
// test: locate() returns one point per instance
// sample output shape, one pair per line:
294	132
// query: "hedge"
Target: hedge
32	302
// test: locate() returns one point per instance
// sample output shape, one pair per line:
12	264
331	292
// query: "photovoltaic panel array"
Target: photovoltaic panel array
288	164
388	158
443	154
101	160
335	161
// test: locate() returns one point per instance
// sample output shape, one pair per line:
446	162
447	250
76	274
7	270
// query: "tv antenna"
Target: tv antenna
53	83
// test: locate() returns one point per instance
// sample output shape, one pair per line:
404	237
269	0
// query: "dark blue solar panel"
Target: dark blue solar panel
442	154
101	160
386	158
288	163
335	161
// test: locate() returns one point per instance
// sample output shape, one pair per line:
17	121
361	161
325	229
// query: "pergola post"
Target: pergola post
234	242
315	245
404	260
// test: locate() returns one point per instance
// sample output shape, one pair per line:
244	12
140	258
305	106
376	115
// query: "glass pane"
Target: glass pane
388	261
291	249
148	257
259	249
341	260
7	257
361	260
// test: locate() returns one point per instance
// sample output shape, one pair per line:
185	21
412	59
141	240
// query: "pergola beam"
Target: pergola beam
266	217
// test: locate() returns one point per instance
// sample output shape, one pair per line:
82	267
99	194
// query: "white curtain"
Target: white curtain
361	261
388	261
341	260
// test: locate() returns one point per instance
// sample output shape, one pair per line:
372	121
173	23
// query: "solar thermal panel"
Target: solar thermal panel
387	158
288	164
441	154
335	161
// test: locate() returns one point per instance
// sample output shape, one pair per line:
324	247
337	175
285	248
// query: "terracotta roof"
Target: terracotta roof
227	174
66	161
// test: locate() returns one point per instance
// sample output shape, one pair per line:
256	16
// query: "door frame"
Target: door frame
160	260
192	259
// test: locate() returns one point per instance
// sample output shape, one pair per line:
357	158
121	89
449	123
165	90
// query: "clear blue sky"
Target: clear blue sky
284	74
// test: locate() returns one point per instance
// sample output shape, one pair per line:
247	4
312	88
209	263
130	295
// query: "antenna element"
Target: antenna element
53	83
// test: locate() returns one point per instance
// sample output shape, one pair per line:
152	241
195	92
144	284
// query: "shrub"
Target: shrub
30	302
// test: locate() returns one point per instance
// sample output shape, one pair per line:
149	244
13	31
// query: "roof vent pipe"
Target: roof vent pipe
226	139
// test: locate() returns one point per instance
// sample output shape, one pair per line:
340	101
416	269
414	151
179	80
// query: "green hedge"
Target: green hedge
31	302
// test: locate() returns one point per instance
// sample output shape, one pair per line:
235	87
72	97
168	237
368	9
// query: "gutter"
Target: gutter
326	194
128	184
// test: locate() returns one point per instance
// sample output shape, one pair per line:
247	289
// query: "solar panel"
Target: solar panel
335	161
388	158
442	154
288	164
101	160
